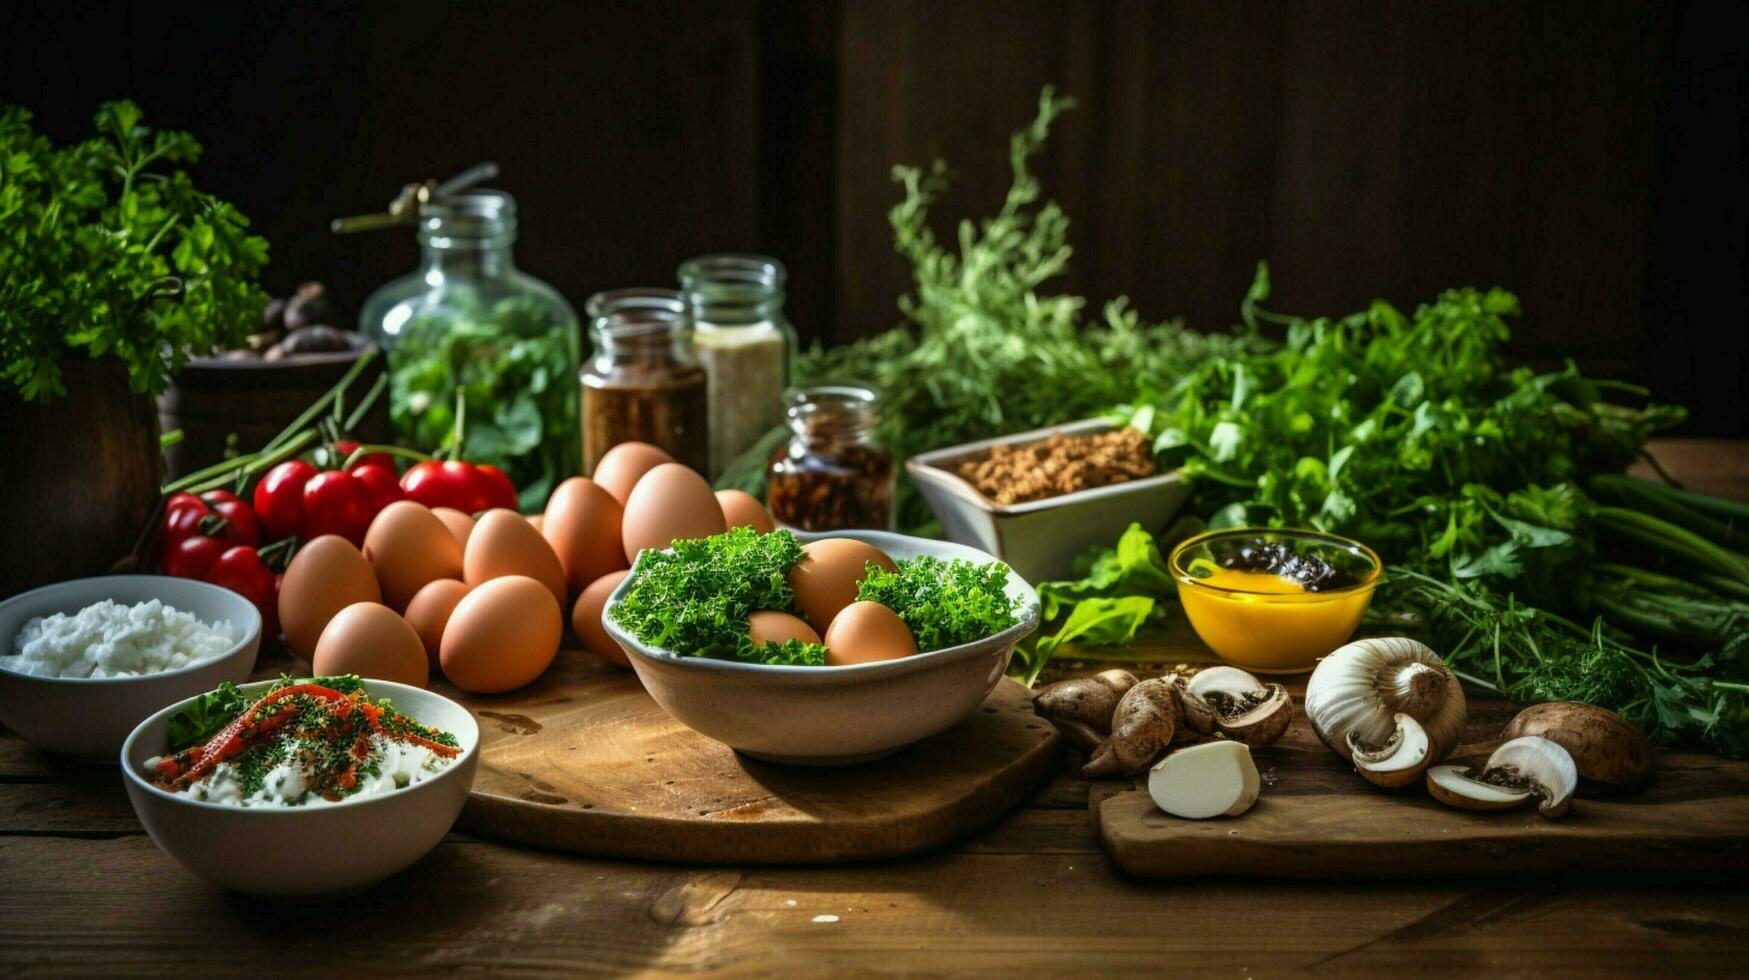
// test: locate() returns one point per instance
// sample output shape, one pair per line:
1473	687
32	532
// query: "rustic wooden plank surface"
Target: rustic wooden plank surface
583	760
84	892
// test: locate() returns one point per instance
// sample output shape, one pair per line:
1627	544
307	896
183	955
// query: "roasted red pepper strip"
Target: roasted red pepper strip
230	741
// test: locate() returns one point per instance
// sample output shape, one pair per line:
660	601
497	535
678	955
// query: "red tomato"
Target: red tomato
240	524
463	486
346	447
384	486
241	570
498	486
190	557
336	502
279	497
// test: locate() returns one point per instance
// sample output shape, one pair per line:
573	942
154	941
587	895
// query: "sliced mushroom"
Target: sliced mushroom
1453	786
1399	761
1199	715
1245	708
1525	768
1604	746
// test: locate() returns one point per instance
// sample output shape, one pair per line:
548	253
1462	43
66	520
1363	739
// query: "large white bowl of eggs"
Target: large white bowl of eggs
874	687
483	599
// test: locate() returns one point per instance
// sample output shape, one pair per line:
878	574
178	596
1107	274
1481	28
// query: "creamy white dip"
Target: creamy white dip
398	765
108	639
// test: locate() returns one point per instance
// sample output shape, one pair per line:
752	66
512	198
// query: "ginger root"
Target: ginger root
1143	726
1082	708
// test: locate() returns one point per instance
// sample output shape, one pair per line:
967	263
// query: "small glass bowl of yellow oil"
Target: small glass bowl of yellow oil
1271	600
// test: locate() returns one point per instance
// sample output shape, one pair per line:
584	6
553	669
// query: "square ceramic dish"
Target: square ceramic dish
1041	539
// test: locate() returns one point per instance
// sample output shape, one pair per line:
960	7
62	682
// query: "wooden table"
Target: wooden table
83	891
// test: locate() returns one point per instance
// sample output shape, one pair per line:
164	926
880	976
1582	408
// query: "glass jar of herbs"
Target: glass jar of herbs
744	342
644	382
833	474
480	354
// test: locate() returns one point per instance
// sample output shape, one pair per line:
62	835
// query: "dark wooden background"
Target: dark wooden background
1588	155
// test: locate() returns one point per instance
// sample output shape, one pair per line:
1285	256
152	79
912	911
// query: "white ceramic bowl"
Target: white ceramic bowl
315	851
1041	539
831	715
88	718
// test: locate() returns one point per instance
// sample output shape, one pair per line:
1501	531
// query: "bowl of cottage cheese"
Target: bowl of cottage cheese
84	662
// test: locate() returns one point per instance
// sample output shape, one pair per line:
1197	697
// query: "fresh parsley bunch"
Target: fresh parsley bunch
695	599
944	602
105	253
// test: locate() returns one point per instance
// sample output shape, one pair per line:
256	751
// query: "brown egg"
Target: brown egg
586	618
409	546
742	509
864	632
536	521
325	576
430	610
582	525
770	626
672	502
624	465
460	525
825	579
505	544
371	640
502	635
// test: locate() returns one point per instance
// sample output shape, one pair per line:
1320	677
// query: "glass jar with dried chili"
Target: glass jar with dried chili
644	382
833	474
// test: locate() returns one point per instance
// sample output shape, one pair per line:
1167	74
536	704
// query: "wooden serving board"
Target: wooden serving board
583	760
1317	818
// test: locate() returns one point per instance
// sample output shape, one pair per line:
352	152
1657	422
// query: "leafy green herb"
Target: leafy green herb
695	599
103	253
508	368
1112	600
788	653
944	602
985	349
203	718
1412	433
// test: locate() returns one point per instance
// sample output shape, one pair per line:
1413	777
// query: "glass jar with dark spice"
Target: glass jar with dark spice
644	383
833	474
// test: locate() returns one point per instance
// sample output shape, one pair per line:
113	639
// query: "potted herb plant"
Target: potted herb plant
113	269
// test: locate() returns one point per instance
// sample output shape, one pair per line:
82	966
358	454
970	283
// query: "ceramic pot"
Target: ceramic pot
82	476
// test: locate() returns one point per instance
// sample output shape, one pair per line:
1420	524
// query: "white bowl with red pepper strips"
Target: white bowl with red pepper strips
302	789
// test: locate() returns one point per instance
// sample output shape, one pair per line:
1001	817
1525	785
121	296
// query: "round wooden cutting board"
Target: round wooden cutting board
583	760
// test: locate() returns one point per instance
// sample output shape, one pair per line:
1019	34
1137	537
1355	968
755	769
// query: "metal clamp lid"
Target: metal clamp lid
407	206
